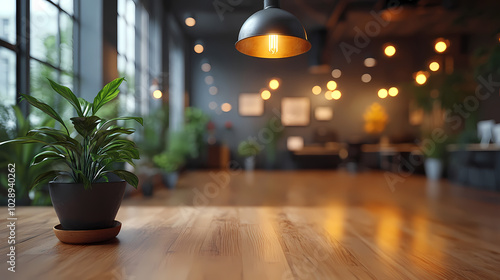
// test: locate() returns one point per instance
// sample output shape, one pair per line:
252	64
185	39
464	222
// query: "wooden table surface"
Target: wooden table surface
405	234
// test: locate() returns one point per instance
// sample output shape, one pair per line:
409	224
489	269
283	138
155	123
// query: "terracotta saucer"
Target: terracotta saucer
87	236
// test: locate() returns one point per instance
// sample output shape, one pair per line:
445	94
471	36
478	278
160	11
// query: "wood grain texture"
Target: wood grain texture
278	225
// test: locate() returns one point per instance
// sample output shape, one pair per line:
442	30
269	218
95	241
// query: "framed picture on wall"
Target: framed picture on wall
295	111
250	105
323	113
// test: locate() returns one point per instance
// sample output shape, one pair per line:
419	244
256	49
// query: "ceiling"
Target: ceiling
339	17
338	20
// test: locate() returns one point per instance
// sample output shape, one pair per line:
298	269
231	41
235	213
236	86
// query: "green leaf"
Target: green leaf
23	124
45	177
137	119
25	140
44	108
87	184
85	125
108	93
127	176
86	106
46	155
68	95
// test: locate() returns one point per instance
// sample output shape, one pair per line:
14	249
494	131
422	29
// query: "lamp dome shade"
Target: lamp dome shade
272	26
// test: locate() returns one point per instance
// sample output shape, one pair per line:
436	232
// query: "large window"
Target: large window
8	52
52	25
126	53
139	54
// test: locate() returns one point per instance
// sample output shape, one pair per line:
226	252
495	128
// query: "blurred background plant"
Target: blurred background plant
276	130
181	146
12	125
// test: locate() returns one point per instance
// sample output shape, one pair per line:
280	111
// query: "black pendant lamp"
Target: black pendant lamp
272	33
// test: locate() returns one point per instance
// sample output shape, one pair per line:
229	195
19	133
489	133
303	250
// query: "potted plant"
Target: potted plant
433	163
170	162
180	146
86	190
249	149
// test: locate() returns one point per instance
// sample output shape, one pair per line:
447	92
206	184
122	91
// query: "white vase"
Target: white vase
496	134
250	163
433	168
485	131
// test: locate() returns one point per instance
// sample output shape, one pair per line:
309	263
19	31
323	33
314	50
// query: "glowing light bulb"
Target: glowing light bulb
274	84
366	78
382	93
157	94
226	107
265	94
393	91
421	77
336	73
331	85
190	21
390	50
336	94
441	45
316	90
273	44
434	66
198	48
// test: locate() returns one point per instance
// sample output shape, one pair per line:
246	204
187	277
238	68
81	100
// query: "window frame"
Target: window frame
21	48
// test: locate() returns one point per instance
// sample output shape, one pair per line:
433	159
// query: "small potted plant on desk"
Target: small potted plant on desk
433	164
181	145
170	162
249	150
86	190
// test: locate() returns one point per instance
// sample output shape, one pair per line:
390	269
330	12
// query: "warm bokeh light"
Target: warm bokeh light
441	45
328	95
213	90
390	50
190	21
212	105
370	62
209	80
274	84
336	73
336	94
265	94
157	94
316	90
421	78
206	67
382	93
226	107
375	118
393	91
331	85
434	66
198	48
366	78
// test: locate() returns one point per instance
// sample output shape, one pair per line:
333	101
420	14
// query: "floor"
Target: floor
430	228
280	226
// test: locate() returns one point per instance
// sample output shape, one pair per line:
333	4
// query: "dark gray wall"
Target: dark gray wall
236	73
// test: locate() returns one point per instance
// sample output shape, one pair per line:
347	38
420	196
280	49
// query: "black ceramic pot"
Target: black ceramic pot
80	209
